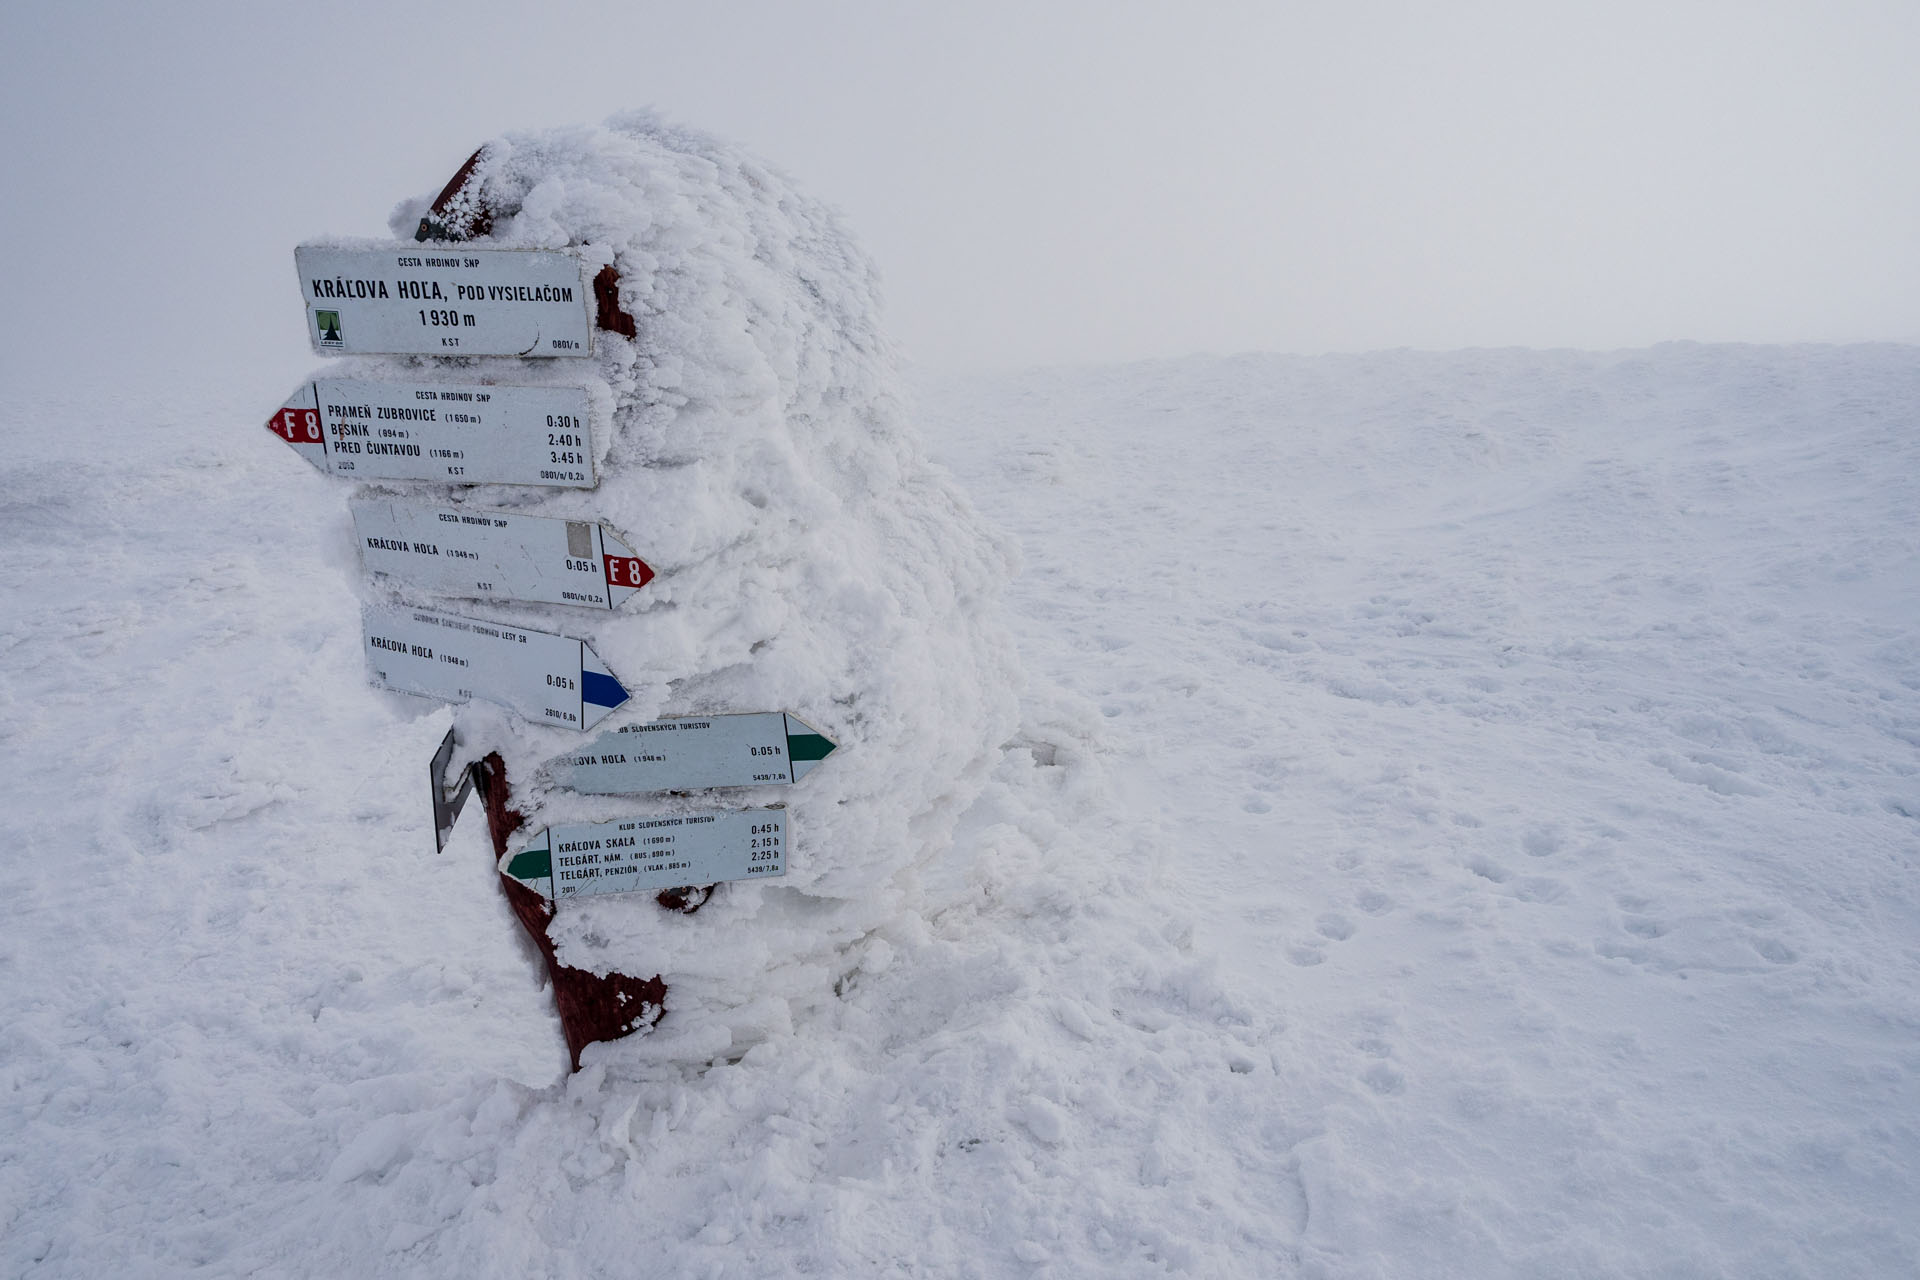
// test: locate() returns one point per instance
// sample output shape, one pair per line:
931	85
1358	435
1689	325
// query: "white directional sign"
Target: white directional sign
429	431
766	748
497	555
546	678
667	852
411	300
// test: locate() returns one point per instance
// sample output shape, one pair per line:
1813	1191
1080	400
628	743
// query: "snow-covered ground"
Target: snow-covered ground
1465	823
1535	738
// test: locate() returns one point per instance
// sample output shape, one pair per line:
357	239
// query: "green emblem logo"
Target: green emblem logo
328	323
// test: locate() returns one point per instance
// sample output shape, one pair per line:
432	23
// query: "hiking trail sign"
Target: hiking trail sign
444	301
431	431
496	555
764	748
548	679
667	851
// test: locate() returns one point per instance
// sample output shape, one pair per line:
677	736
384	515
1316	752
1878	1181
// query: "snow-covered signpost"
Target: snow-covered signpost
652	335
455	301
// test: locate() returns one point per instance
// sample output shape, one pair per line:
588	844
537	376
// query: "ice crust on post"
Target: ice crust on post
810	558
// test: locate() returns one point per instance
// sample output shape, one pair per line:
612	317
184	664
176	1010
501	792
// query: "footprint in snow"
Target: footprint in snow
1542	841
1526	889
1374	903
1608	949
1539	889
1334	926
1384	1080
1711	776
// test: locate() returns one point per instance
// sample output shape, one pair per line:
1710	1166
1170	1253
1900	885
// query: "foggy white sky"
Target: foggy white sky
1040	181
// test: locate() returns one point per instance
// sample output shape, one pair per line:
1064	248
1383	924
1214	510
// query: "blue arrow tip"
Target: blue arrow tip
601	690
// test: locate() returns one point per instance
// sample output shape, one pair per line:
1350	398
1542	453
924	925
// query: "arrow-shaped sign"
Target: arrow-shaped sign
444	301
664	852
457	551
548	679
764	748
430	431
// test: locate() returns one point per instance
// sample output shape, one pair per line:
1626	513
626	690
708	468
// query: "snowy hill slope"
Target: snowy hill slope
1539	735
1477	837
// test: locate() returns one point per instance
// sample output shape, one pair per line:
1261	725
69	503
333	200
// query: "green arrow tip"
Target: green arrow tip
531	864
803	747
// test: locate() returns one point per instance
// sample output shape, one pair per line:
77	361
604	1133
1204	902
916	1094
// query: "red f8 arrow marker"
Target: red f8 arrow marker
496	555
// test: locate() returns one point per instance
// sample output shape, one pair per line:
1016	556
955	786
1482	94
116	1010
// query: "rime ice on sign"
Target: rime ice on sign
385	299
548	679
475	434
757	749
497	555
664	851
758	442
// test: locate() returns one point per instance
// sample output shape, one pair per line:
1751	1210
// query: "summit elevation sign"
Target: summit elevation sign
445	302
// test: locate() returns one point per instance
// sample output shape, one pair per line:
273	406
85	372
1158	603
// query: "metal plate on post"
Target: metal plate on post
447	804
497	555
653	853
472	434
549	679
765	748
444	301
